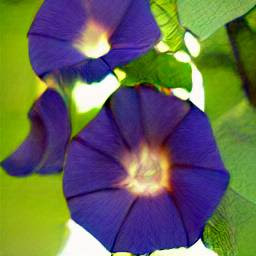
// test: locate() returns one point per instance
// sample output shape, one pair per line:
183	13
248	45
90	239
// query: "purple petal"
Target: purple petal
136	34
102	213
66	19
49	54
152	223
102	134
160	114
125	107
88	169
44	148
192	143
197	192
128	25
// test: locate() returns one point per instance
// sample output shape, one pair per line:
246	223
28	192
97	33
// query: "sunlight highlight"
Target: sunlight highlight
198	249
93	41
192	44
182	56
89	96
181	93
121	75
81	243
162	47
41	86
197	95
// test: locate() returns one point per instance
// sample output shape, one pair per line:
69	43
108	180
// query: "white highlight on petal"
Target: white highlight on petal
90	96
81	243
198	249
162	47
197	95
93	40
182	56
192	44
181	93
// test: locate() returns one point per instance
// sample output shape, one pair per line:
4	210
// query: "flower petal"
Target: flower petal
88	169
192	143
103	127
136	34
65	31
126	112
152	223
66	19
48	54
44	148
102	213
160	114
197	192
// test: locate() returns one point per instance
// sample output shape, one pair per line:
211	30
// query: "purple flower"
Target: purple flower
146	174
90	38
44	148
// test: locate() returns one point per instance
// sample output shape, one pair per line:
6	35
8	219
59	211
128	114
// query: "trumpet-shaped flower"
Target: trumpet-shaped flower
89	38
44	148
145	174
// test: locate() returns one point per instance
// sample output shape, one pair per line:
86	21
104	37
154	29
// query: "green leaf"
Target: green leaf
159	69
251	19
165	12
218	233
222	82
235	132
204	17
232	229
243	40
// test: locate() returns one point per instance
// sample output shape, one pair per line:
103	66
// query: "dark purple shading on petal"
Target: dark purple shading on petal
102	134
65	19
197	192
160	114
87	170
49	54
125	107
153	223
131	27
136	34
102	213
192	143
44	148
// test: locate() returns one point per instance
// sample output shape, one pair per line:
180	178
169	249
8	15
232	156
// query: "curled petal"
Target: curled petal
44	148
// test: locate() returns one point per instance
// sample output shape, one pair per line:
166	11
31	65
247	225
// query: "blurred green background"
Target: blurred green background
32	210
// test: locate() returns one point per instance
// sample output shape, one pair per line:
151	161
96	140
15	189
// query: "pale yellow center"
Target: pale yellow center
148	171
93	40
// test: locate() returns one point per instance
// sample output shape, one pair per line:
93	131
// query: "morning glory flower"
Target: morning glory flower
145	174
89	38
44	148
